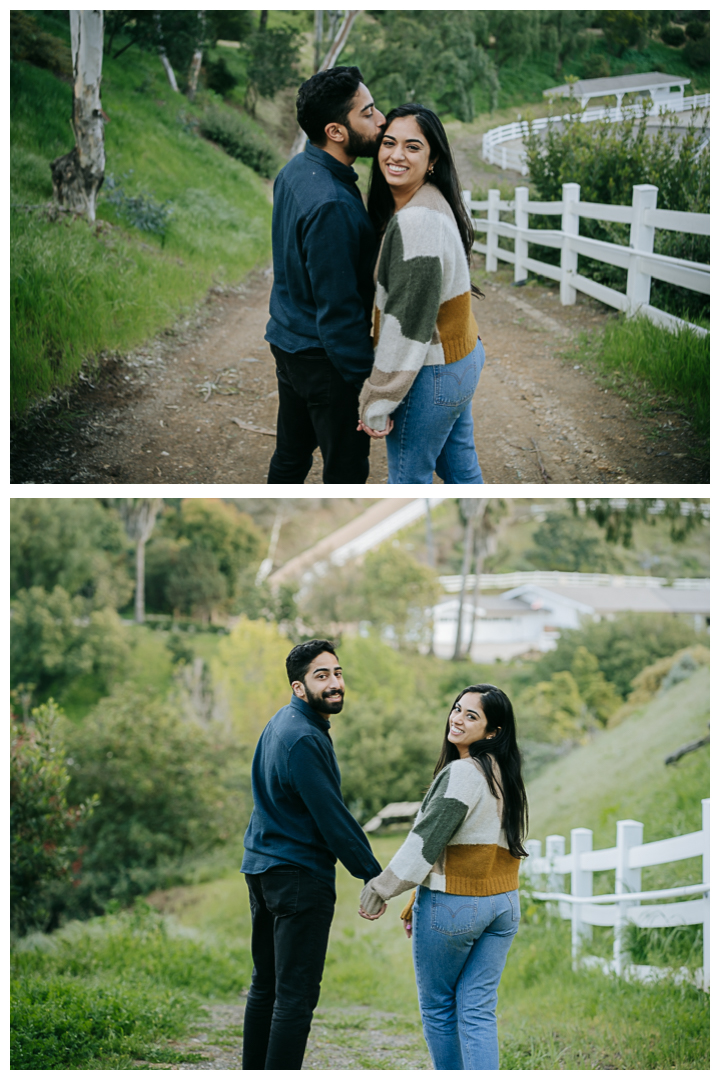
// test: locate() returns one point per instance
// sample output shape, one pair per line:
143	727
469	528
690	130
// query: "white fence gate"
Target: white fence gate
639	259
624	906
497	152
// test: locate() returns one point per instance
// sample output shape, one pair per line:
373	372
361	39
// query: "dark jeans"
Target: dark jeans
316	408
291	915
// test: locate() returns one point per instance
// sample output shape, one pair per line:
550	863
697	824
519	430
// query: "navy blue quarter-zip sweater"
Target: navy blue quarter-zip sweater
324	249
299	816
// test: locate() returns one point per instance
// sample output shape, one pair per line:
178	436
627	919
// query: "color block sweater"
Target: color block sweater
422	312
457	843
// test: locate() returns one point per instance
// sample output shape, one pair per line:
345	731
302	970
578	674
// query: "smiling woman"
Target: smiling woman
464	852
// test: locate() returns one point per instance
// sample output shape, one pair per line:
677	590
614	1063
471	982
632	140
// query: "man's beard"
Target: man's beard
359	145
320	704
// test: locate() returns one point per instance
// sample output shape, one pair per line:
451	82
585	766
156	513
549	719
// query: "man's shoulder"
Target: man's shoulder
291	726
314	190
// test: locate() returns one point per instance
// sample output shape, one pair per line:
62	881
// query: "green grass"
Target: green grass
664	367
77	290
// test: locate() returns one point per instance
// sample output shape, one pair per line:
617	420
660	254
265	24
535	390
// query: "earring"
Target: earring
431	170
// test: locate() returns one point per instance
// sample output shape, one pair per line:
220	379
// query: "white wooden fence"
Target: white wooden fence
639	259
495	150
624	906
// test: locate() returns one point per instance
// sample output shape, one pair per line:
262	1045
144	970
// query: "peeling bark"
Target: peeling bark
77	177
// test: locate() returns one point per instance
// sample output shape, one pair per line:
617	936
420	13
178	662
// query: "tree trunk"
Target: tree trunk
77	177
319	26
331	59
140	581
479	553
472	510
196	61
164	60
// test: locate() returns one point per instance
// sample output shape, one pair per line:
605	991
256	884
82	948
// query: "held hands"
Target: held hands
376	434
372	918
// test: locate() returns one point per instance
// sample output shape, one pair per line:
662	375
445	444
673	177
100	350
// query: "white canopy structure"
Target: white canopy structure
662	88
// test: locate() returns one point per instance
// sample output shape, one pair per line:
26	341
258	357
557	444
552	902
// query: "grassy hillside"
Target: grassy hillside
77	290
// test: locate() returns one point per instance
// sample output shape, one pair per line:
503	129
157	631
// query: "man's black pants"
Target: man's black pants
316	408
291	915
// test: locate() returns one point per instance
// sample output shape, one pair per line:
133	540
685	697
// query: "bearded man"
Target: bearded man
299	827
324	249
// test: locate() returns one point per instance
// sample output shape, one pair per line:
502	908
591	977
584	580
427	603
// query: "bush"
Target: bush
53	639
673	35
240	140
167	790
607	159
697	53
596	66
219	78
28	42
41	822
696	30
141	211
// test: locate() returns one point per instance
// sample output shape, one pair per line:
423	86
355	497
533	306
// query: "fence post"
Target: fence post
493	215
534	852
629	835
568	257
581	841
642	239
522	221
706	881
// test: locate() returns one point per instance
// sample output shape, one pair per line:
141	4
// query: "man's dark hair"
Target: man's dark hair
301	657
326	98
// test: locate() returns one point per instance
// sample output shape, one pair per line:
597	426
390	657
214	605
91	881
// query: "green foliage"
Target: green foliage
623	646
219	77
165	789
696	30
53	638
606	159
596	66
618	521
551	710
674	364
624	30
426	56
141	211
75	290
697	53
196	585
41	822
599	695
673	35
240	139
74	543
273	64
30	43
563	542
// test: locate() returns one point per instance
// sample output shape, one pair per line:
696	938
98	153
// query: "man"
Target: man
298	829
324	249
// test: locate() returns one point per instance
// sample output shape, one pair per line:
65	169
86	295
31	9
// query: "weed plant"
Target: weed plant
636	356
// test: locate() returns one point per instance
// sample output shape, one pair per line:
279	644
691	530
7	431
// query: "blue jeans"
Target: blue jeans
433	429
460	944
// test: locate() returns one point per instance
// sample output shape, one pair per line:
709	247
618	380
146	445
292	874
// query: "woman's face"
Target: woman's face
468	723
404	156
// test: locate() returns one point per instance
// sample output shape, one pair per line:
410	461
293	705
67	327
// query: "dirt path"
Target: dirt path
355	1037
198	405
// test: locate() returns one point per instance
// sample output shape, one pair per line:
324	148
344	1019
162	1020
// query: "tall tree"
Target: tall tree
139	516
329	61
77	177
618	516
471	511
196	61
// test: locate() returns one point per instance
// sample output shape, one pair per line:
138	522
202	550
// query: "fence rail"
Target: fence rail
641	262
624	905
496	152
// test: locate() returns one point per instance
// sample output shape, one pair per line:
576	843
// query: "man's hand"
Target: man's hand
372	918
376	434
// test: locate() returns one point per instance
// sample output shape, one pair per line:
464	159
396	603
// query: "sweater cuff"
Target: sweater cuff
370	901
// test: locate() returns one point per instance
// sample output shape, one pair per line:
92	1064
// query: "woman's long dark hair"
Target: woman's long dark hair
381	205
504	749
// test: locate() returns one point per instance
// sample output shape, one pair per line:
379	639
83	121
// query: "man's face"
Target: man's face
323	687
364	124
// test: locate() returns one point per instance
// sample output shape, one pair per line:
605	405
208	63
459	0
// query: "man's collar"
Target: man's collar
309	712
343	172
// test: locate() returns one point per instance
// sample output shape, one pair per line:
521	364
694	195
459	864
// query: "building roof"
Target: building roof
607	600
492	607
649	80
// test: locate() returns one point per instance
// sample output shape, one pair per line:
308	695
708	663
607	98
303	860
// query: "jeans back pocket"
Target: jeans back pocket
453	914
455	383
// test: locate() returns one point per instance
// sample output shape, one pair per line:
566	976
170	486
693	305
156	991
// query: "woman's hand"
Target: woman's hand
408	927
376	434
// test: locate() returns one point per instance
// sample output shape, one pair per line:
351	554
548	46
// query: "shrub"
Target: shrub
673	35
28	42
41	822
697	53
696	30
219	77
141	211
596	66
240	140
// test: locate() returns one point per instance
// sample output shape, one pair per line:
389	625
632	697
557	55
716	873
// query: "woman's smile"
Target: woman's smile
404	158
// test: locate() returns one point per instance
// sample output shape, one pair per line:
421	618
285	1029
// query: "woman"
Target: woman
428	356
464	852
